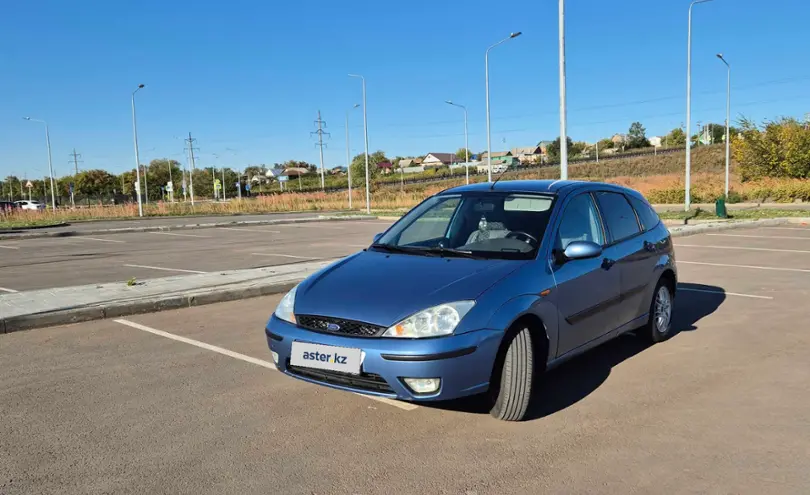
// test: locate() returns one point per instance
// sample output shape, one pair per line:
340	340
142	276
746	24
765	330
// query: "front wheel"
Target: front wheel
511	387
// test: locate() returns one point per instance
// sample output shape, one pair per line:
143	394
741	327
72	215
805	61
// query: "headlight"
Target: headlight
432	322
285	308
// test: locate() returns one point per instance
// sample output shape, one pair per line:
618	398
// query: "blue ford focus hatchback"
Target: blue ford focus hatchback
477	290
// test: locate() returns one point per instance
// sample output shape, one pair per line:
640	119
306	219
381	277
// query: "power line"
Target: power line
320	144
191	150
75	160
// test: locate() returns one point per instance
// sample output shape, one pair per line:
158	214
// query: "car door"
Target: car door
587	290
628	249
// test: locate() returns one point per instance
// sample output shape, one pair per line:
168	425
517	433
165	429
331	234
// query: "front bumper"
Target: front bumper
463	362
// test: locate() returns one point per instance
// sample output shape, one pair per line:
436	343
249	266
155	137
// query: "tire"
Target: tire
659	327
513	381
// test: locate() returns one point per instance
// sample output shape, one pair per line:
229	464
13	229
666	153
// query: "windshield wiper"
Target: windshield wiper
443	251
391	248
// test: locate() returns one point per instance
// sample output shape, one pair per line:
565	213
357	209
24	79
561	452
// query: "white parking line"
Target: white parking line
165	269
788	228
802	270
762	236
9	247
743	248
724	293
285	256
178	235
242	357
240	229
315	225
82	238
7	290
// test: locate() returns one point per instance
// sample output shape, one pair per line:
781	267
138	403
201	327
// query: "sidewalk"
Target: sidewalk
49	307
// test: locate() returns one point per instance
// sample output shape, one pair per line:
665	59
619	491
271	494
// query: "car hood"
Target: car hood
382	289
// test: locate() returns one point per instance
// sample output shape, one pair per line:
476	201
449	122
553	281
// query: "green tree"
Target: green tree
636	136
95	184
461	154
605	144
158	176
780	149
553	149
359	167
676	137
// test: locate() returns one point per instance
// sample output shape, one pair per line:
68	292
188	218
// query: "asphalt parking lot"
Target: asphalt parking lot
67	261
188	401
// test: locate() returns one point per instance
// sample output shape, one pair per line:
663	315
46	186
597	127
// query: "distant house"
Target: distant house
655	141
527	155
339	170
295	171
496	154
386	167
499	165
413	170
417	162
437	160
405	162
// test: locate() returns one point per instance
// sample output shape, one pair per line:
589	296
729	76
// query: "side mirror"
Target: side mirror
376	238
581	250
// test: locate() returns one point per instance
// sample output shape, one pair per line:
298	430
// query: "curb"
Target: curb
693	229
150	305
193	226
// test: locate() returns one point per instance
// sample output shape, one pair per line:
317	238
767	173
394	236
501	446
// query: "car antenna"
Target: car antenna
492	187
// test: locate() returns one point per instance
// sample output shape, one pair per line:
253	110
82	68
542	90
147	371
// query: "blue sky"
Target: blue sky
247	78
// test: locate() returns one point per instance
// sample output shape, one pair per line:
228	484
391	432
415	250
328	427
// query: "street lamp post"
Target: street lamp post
466	141
563	111
486	75
365	132
728	117
689	102
50	164
137	156
348	158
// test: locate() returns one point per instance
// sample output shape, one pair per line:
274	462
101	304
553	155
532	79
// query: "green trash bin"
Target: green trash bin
720	208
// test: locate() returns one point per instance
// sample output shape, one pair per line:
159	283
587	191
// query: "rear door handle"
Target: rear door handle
607	263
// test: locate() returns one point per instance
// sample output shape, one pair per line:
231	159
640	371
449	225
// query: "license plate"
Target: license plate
326	357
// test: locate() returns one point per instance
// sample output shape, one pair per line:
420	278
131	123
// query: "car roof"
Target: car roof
556	187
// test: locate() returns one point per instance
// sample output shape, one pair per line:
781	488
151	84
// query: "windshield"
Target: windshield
484	224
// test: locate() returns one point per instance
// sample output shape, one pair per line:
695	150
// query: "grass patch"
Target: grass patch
747	214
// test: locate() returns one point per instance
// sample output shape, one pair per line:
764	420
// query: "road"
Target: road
67	261
188	401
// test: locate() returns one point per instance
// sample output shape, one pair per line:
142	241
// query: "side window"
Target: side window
618	214
580	222
648	216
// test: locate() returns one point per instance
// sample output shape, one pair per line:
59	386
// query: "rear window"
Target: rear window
648	216
618	214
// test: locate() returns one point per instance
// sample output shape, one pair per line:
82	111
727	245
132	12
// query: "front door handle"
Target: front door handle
607	263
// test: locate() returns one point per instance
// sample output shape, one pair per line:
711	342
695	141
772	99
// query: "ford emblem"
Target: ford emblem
333	327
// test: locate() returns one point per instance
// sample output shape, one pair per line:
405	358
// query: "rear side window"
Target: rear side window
648	216
618	214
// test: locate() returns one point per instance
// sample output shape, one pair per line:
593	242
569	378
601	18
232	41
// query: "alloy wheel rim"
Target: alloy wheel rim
663	310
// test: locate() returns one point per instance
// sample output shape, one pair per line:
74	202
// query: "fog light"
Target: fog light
275	357
423	385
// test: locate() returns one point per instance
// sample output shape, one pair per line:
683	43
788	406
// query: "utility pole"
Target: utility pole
191	149
320	133
76	174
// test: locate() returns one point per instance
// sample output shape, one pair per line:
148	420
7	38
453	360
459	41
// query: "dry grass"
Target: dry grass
660	179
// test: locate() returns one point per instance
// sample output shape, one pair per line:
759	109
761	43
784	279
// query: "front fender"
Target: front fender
532	304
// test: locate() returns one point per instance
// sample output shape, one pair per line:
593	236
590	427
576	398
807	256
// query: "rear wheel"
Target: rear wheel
659	328
511	388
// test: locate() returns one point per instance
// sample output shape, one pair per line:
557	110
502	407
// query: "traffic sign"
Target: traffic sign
29	185
70	186
169	187
283	178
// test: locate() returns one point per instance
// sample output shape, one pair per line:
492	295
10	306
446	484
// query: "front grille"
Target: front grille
344	327
369	382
